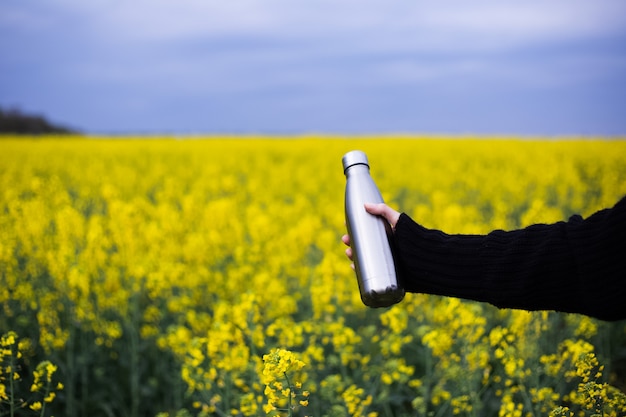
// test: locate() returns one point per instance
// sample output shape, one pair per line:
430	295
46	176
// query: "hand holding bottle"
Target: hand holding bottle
377	209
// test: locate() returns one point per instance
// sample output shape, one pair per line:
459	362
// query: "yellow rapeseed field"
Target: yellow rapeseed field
206	277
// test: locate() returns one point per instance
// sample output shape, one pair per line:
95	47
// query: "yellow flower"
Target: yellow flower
277	367
248	405
280	361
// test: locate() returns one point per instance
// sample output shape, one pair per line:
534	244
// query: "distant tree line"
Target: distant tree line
16	122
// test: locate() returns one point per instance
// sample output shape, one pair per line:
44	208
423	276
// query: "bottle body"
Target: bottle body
370	236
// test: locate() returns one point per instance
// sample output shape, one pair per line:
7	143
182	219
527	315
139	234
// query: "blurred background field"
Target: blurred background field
156	273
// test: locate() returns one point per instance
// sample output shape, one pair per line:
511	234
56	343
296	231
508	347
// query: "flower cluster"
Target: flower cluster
9	369
43	384
12	381
282	379
592	394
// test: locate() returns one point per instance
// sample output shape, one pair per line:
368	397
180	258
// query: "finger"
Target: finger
346	239
382	209
349	253
377	209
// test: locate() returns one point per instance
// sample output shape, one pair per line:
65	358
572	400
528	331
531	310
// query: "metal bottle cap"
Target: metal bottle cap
354	158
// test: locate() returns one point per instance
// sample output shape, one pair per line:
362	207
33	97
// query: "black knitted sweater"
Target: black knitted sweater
578	266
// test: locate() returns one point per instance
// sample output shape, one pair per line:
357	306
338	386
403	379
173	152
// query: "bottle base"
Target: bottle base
386	298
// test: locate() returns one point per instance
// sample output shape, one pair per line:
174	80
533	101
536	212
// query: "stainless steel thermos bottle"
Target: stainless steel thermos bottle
370	236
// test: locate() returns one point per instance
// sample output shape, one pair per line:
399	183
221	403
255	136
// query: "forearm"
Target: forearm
575	266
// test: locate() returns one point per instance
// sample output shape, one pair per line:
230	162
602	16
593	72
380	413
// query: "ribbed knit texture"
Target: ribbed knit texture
578	266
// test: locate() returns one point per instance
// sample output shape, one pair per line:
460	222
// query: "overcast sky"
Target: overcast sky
318	66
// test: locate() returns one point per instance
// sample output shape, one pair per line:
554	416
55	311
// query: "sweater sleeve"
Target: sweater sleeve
578	266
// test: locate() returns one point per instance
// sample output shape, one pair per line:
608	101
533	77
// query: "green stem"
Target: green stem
70	361
133	328
289	406
12	397
43	402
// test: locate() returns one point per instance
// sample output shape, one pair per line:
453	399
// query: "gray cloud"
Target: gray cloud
287	54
